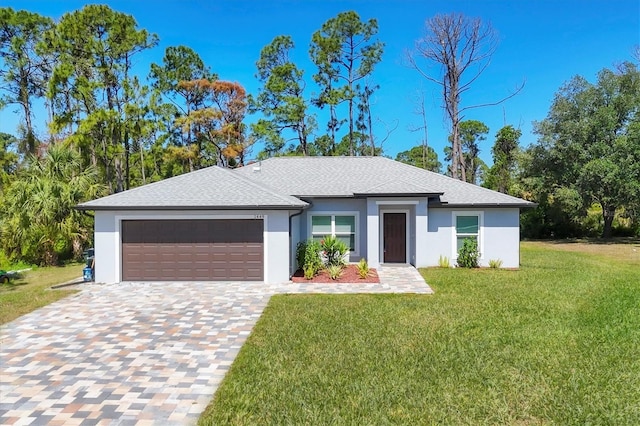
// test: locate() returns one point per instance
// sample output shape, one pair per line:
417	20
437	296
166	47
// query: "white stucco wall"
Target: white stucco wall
108	239
500	236
107	247
438	241
373	233
421	233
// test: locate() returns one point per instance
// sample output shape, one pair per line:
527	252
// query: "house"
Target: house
244	224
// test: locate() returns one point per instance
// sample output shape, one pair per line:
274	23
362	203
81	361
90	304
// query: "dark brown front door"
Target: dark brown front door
395	237
192	250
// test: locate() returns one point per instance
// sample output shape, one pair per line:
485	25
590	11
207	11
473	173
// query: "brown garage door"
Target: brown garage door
192	250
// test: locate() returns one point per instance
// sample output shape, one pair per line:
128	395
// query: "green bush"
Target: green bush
308	257
468	255
9	265
334	271
363	268
334	251
309	271
495	263
443	262
301	249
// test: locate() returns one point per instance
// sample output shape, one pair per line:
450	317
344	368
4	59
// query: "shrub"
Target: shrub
334	271
495	263
468	255
334	250
443	262
363	268
309	271
308	257
301	249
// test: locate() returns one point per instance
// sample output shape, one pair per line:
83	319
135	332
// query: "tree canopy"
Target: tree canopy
421	156
345	52
281	100
589	142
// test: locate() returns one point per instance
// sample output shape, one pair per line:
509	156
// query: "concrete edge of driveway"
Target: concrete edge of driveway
73	282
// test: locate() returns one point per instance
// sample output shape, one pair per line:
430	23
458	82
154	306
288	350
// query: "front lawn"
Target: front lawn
556	342
32	290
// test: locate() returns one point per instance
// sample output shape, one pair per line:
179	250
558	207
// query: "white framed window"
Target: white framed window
342	225
467	224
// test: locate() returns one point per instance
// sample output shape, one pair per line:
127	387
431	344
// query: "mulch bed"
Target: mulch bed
349	275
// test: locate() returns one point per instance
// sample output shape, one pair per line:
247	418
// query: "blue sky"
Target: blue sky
544	43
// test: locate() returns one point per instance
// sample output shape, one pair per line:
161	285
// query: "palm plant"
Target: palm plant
39	222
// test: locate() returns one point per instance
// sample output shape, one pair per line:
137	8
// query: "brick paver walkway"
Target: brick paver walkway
133	353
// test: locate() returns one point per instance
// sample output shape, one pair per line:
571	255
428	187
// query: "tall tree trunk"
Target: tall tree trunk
371	140
118	168
115	139
127	170
452	104
30	139
608	213
455	151
351	126
334	123
105	161
92	155
302	136
144	179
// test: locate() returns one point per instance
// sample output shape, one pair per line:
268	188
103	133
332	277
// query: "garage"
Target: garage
193	250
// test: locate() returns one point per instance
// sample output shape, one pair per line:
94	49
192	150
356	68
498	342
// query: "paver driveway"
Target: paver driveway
150	353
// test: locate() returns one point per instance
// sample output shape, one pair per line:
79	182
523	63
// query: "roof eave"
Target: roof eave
488	205
179	208
302	197
396	194
372	194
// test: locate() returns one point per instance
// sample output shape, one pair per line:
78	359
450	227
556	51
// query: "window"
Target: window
342	226
467	225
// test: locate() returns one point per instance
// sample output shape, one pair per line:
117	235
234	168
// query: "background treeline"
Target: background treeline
111	126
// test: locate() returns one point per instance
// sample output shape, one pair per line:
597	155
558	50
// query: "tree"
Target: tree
423	126
24	70
39	221
8	158
463	48
220	131
504	153
588	141
181	64
364	123
281	100
344	52
421	156
631	164
92	84
472	132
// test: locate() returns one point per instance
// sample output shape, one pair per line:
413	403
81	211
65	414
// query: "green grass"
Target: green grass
557	342
31	290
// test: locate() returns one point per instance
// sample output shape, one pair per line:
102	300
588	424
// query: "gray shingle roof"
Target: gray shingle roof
276	182
213	187
351	176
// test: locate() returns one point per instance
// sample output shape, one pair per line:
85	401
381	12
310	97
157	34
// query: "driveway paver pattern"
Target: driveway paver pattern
141	353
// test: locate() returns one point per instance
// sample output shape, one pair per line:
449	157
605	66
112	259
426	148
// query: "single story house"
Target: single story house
244	224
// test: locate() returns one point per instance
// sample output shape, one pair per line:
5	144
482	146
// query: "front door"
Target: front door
395	237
